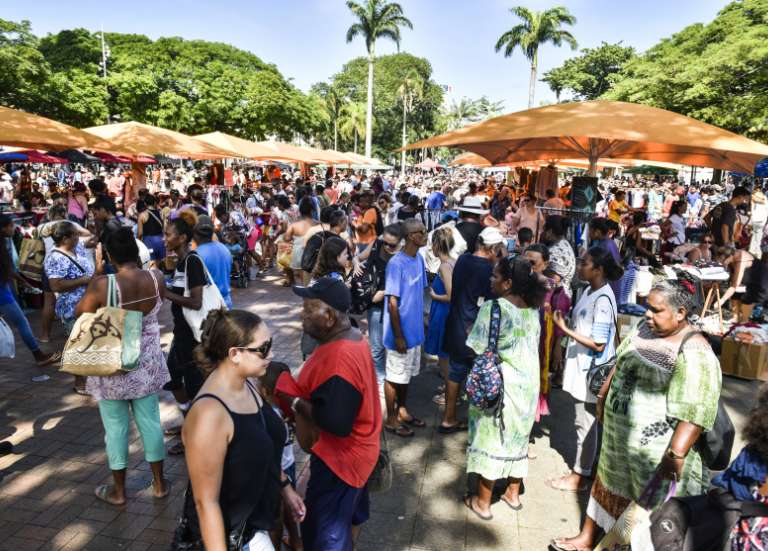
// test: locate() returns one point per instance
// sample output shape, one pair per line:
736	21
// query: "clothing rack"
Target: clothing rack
577	220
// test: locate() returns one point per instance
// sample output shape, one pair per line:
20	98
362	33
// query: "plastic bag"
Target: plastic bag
7	341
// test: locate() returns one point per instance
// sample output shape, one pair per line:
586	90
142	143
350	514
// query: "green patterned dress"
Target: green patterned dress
654	387
489	455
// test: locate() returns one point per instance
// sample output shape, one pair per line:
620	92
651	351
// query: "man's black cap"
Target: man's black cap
330	290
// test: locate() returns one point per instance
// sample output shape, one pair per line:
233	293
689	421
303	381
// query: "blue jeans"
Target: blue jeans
14	316
376	340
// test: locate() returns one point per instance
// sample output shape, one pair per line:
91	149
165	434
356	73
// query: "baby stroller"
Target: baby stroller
235	241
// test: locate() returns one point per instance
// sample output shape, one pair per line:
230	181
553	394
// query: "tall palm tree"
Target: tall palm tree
461	112
536	28
353	121
334	101
409	91
375	19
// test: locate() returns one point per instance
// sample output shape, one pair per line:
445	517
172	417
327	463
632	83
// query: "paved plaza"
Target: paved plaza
46	486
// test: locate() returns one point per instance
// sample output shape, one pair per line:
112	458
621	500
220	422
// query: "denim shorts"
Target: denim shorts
458	370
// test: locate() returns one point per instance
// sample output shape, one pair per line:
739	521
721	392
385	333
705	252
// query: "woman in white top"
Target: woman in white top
592	337
676	223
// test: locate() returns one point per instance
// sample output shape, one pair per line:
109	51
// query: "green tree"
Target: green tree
375	19
24	73
411	90
536	28
717	73
487	109
333	101
354	121
589	75
462	112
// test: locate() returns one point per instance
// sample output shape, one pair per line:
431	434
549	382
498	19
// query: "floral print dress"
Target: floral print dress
491	454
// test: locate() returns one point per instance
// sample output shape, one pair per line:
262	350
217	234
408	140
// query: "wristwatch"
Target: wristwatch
672	454
285	482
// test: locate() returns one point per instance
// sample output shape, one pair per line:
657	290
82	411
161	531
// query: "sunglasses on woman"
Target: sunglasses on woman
262	350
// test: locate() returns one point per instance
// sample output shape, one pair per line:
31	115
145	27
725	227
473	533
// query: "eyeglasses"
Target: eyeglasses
708	242
262	350
391	245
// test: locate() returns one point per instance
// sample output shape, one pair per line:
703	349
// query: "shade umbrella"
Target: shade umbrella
136	138
596	130
18	128
288	152
428	164
75	156
245	148
331	157
30	156
109	158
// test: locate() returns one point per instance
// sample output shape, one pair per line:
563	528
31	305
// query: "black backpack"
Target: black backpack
364	286
312	250
700	523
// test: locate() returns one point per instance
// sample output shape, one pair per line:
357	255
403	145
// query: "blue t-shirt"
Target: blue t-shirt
406	279
435	200
218	260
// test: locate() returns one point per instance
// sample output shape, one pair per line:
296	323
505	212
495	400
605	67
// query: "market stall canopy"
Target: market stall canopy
30	156
331	157
75	156
22	129
603	130
109	158
245	148
474	160
287	152
362	159
428	164
135	138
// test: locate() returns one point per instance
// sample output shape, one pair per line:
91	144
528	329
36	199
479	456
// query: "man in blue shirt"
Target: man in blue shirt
216	257
405	281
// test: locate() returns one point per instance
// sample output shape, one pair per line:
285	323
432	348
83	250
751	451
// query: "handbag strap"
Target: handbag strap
72	260
493	336
112	291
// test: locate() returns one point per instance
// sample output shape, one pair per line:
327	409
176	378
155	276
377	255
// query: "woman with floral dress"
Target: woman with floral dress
143	291
661	395
498	448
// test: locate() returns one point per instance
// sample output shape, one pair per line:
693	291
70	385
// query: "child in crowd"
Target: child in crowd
288	463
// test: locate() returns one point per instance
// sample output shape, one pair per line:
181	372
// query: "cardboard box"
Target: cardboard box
747	361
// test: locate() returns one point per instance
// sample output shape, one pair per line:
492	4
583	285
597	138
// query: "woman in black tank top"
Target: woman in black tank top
233	442
150	230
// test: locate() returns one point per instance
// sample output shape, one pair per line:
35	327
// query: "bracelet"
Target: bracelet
285	482
672	454
294	402
600	396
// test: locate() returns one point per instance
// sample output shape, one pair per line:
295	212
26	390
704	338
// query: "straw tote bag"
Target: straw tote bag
106	342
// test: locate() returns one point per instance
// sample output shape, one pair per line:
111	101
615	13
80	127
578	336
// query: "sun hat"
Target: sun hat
492	236
472	204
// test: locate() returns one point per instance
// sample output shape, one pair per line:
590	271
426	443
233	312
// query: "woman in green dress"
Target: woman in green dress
500	450
662	394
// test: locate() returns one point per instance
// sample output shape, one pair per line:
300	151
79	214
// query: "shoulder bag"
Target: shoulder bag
106	342
31	257
598	373
211	299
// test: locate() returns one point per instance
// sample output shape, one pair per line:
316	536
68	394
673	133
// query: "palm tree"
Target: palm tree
334	101
353	121
410	90
462	112
487	109
375	19
537	28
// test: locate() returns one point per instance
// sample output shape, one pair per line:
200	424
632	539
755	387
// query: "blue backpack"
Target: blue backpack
485	383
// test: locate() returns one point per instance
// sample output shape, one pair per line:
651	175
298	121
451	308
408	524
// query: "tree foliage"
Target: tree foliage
192	86
717	73
589	75
391	71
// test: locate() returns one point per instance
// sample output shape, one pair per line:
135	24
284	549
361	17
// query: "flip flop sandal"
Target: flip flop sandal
439	399
414	422
173	431
468	505
517	507
401	430
101	493
560	545
52	359
80	391
458	427
149	492
557	484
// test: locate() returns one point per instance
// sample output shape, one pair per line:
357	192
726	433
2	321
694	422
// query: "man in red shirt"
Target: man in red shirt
336	405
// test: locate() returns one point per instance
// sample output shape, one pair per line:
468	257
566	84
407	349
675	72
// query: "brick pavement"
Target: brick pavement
46	486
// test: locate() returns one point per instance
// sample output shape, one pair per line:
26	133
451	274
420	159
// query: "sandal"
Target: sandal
173	431
439	399
80	390
517	507
458	427
50	360
149	491
559	544
414	422
559	485
401	430
468	505
102	492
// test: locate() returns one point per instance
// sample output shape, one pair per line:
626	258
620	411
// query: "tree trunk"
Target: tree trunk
335	134
717	176
532	84
355	141
402	157
369	110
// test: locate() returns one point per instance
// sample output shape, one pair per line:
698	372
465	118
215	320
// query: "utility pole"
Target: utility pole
104	56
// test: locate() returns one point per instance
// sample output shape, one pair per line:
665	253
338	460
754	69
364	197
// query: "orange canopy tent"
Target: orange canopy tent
244	148
18	128
596	130
136	138
476	161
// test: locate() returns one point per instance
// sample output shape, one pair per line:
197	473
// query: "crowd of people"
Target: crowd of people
472	274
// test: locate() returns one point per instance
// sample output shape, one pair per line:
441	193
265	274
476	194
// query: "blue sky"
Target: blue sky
306	38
